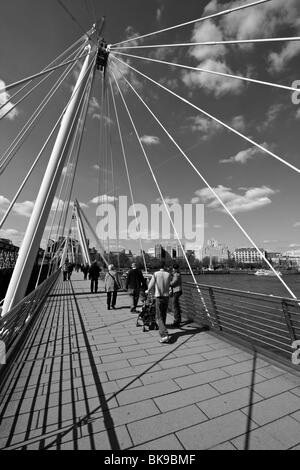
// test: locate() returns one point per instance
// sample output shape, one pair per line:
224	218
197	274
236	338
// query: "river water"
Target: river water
252	283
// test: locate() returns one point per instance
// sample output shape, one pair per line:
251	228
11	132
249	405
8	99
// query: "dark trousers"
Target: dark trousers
176	307
94	285
161	304
65	275
134	294
112	298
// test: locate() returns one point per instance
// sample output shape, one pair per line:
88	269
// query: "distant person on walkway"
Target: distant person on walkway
65	270
176	287
70	270
85	270
160	283
111	285
94	272
134	282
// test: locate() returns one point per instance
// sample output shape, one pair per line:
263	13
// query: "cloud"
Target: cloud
264	21
4	203
207	127
104	198
168	200
238	123
213	83
150	140
24	208
296	224
12	234
244	155
4	98
270	241
159	13
251	199
279	60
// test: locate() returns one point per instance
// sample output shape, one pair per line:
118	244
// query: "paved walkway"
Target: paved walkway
88	378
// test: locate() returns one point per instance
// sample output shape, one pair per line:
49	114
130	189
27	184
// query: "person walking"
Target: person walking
94	272
160	283
111	285
134	282
65	270
85	270
176	287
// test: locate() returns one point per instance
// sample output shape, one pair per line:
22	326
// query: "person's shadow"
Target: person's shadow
173	337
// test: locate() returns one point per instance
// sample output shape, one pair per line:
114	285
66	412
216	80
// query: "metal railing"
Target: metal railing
269	322
16	321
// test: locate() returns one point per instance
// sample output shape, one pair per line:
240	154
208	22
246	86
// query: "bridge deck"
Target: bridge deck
87	378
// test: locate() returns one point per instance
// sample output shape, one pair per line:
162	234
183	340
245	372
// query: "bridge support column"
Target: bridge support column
32	239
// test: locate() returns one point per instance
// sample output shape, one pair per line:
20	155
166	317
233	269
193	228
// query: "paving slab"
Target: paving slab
88	378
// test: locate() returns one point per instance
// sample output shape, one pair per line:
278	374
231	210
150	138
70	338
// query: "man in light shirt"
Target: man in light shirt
160	283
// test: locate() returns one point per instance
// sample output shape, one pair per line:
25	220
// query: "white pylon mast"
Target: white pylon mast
32	239
81	234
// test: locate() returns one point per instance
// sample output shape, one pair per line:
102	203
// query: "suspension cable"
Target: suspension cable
158	188
128	175
66	173
210	43
222	74
32	89
45	69
211	189
43	72
27	128
224	12
213	118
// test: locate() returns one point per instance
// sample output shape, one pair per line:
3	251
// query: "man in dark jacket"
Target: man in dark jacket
94	272
134	282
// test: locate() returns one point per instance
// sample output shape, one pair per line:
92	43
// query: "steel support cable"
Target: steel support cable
39	74
127	173
95	236
29	92
28	127
81	122
199	69
60	194
212	190
203	18
45	69
160	193
101	132
32	168
81	115
213	118
71	128
113	192
210	43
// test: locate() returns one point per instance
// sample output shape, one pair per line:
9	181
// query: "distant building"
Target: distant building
170	251
215	250
248	255
8	253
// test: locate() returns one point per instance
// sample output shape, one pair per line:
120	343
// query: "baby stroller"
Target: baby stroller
147	315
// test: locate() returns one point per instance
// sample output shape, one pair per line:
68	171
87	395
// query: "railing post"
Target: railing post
214	305
289	325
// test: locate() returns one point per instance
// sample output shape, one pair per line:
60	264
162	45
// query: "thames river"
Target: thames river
252	283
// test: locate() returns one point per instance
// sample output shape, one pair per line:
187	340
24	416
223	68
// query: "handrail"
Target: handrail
14	323
268	322
257	294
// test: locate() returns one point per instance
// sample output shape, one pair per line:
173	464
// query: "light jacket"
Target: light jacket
160	281
111	281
